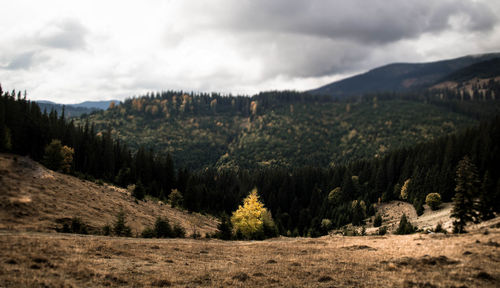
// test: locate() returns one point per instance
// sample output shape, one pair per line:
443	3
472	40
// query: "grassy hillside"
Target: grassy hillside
289	133
34	198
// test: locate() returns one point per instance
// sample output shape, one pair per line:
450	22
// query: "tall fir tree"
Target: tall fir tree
464	208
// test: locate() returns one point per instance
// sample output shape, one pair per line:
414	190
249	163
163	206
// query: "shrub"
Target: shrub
58	157
148	232
178	231
326	225
225	228
433	200
405	226
106	230
382	230
175	198
439	229
162	228
139	191
120	228
377	222
77	226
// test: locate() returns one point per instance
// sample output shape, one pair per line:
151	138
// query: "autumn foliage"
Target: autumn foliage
252	220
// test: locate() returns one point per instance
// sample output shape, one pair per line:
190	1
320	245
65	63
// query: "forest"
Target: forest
300	197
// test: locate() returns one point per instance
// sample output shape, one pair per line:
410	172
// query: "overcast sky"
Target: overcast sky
72	51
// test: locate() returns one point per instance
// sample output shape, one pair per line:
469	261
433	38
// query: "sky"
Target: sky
75	51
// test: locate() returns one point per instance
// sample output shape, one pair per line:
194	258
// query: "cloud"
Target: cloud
375	21
21	61
66	34
98	51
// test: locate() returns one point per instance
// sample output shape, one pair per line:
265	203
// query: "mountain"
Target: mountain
400	77
75	110
274	129
103	105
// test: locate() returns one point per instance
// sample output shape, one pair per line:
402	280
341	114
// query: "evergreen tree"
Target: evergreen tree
405	226
486	201
120	227
466	189
139	191
162	228
225	228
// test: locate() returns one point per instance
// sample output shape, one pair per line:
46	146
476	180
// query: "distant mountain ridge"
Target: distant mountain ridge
75	110
401	77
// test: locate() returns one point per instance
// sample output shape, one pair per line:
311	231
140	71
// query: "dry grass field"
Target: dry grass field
432	260
34	201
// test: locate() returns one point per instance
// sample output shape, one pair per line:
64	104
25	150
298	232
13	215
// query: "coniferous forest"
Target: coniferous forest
299	198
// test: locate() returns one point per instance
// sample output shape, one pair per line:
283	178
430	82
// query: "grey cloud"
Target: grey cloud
375	21
21	61
67	34
318	37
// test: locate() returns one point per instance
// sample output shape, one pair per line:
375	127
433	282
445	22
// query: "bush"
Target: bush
58	157
139	191
106	230
225	229
382	230
433	200
148	232
178	231
162	228
405	226
75	226
439	229
120	228
175	198
377	222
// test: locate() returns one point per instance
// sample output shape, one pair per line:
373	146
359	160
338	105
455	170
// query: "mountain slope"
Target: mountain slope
399	77
286	134
34	198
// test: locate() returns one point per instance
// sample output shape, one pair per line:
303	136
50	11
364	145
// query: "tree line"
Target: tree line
302	200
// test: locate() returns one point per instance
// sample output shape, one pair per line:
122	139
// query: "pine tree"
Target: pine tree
225	228
120	227
466	189
139	191
486	202
405	226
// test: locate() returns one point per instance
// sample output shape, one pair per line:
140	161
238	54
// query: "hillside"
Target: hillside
289	132
34	198
399	77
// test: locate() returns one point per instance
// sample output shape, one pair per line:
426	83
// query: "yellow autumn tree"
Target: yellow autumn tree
252	219
404	189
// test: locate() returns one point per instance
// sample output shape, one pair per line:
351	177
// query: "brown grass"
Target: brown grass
33	198
36	259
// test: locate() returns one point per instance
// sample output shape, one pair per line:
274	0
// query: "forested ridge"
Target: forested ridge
299	197
278	129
